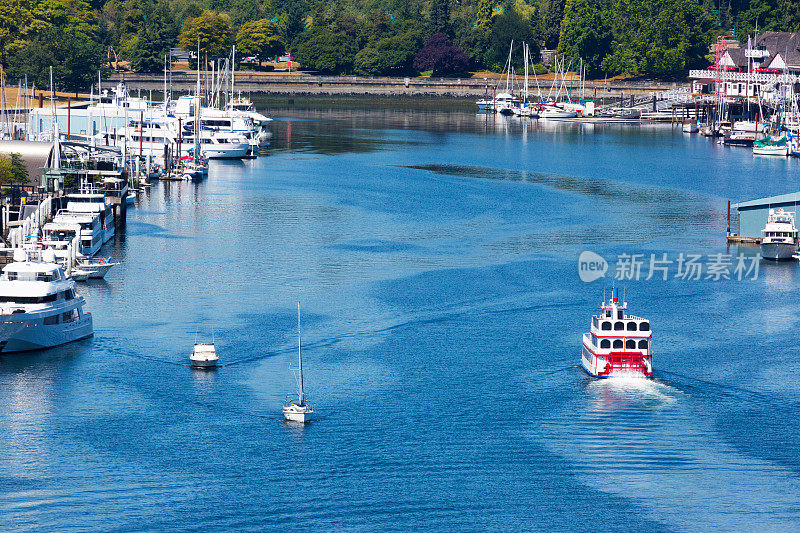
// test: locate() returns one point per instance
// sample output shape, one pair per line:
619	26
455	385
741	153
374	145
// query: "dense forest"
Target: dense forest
375	37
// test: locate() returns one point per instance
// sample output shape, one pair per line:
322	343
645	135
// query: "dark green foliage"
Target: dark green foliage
661	37
326	52
13	169
75	60
770	15
440	16
379	37
586	33
507	27
155	36
551	22
391	56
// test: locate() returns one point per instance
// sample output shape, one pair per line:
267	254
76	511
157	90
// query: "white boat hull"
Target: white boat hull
27	333
548	112
778	251
203	363
294	413
228	151
601	366
782	151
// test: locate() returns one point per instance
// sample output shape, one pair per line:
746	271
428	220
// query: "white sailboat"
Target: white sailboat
297	409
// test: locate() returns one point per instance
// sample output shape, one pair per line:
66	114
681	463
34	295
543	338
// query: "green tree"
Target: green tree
665	37
212	29
440	16
75	60
551	22
483	19
156	34
259	38
586	33
329	53
391	56
13	169
507	27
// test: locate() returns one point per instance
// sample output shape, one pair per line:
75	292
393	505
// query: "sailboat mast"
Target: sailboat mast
299	358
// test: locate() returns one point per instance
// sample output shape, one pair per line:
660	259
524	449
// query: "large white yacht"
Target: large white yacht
92	200
38	305
67	225
155	135
779	237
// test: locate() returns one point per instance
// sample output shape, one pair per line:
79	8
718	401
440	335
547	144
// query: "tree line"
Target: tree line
375	37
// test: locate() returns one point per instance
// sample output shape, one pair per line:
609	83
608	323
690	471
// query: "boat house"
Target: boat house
753	214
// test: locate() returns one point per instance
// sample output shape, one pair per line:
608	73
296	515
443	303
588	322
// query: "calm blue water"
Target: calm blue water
434	254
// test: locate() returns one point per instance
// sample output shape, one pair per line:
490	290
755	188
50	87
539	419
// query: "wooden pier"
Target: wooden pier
732	238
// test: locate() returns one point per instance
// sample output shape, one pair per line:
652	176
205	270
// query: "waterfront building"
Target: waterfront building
765	67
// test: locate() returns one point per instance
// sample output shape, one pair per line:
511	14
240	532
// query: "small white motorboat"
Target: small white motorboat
204	355
690	126
131	199
296	408
97	268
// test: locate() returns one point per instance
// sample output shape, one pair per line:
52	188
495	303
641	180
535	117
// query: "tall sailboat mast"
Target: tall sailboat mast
299	359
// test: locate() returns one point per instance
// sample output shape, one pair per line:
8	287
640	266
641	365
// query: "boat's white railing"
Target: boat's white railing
18	236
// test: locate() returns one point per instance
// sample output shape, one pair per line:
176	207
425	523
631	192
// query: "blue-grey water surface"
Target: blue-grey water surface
434	253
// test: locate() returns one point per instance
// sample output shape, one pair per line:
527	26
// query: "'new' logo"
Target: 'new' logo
591	266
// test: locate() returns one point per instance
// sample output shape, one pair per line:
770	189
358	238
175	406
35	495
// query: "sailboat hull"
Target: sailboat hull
297	415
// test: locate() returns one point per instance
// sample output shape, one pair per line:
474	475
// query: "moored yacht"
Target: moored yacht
779	236
38	306
92	200
617	344
67	225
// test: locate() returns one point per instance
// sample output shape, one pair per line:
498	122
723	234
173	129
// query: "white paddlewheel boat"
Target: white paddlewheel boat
618	344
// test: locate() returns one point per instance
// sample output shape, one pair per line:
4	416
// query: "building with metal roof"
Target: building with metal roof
753	214
39	157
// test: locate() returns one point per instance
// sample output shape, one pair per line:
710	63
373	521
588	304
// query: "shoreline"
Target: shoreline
412	88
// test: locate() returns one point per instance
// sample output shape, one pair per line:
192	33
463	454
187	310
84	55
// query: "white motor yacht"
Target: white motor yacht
66	225
91	199
204	355
38	305
779	236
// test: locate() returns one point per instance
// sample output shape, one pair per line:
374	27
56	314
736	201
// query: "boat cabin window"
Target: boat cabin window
50	320
11	276
631	326
69	294
594	340
619	326
644	326
618	343
630	344
608	314
619	314
45	276
606	326
642	345
605	343
594	321
19	300
69	316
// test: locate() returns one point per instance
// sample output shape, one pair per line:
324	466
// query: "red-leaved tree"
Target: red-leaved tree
442	57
